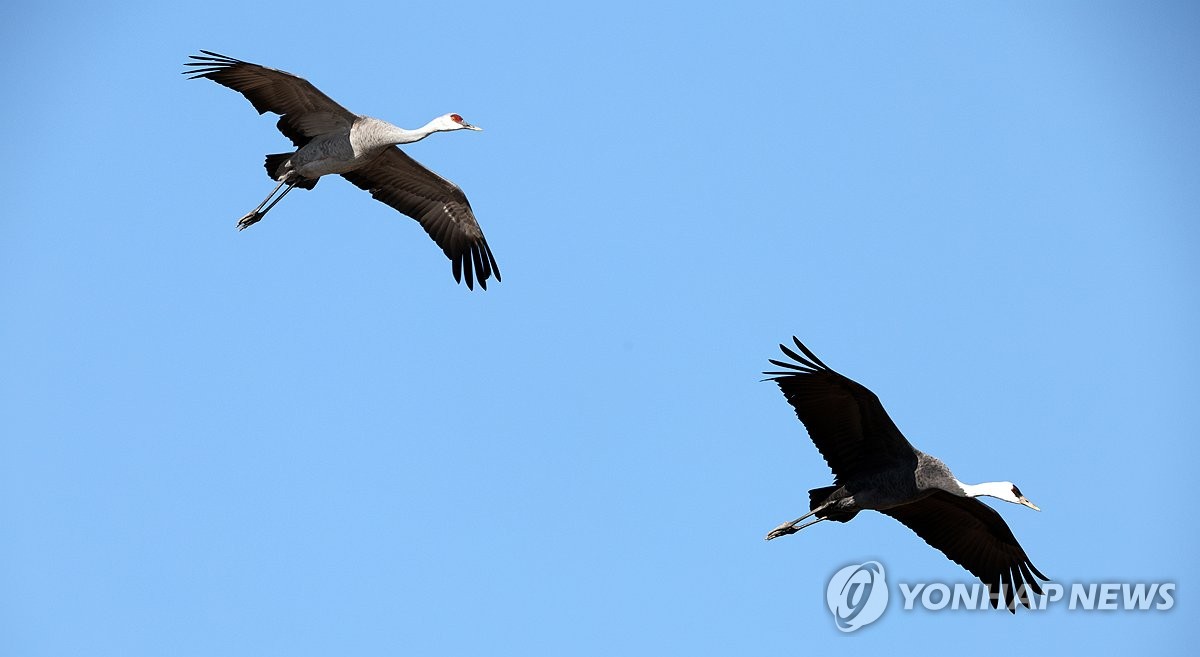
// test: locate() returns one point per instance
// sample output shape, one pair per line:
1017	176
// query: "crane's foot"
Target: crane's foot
783	530
249	220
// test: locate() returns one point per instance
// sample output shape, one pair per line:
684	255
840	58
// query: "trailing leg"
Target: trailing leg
258	213
791	528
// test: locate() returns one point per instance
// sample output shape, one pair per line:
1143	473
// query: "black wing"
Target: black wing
305	111
845	420
973	535
440	206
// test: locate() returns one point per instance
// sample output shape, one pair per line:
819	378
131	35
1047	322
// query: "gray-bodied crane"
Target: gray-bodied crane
331	139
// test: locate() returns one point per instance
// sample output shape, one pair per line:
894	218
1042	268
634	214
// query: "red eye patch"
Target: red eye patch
456	118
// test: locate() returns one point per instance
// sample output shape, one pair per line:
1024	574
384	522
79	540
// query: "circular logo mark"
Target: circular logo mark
857	595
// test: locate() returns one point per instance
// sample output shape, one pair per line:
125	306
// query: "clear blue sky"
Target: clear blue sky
305	439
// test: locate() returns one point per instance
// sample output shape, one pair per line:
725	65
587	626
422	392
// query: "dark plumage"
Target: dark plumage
876	468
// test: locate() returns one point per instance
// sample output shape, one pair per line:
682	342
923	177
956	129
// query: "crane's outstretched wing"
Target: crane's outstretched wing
845	420
973	535
306	112
440	206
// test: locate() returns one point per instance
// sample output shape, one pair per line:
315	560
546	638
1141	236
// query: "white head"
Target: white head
1001	490
448	122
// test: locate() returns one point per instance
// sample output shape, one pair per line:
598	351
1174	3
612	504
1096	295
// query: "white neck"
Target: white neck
371	133
997	489
1001	490
397	135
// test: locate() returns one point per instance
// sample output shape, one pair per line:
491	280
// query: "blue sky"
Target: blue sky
305	439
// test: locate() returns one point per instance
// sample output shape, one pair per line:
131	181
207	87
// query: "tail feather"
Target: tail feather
274	166
818	496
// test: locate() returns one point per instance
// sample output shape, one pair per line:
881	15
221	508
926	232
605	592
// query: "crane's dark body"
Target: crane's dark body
882	490
876	468
329	139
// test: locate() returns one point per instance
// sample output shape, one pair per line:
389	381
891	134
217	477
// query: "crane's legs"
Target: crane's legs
791	528
256	214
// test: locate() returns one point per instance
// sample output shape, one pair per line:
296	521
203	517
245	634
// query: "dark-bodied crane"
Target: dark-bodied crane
331	139
876	468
